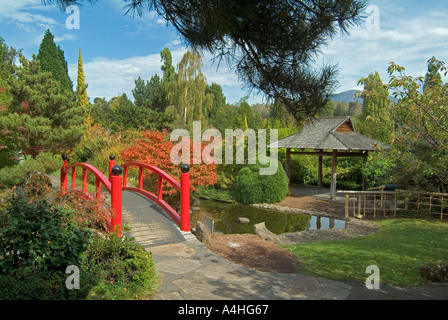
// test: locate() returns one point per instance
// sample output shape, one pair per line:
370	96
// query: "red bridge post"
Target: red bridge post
64	174
185	197
116	197
111	164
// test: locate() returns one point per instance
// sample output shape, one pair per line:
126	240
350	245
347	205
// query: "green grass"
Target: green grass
398	251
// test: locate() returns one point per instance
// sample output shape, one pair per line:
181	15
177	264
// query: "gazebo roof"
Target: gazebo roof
328	133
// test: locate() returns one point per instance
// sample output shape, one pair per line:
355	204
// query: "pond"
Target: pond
224	217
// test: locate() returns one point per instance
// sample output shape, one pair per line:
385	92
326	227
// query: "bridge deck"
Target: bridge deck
150	224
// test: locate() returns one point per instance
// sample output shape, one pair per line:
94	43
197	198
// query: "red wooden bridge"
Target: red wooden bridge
116	186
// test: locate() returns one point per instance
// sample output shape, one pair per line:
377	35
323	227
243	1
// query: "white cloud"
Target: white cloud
407	41
17	13
66	37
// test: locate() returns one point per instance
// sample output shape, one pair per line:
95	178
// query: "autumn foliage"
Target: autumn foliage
154	148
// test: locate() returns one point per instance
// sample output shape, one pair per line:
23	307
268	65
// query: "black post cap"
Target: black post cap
111	157
116	170
184	168
64	156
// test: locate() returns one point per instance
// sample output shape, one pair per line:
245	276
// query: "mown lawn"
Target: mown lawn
398	251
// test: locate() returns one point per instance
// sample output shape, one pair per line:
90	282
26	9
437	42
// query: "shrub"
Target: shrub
38	241
213	193
91	213
19	174
124	268
251	187
38	237
43	286
154	148
98	144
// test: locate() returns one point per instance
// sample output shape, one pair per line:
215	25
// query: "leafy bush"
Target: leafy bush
44	286
89	214
98	144
38	237
251	187
44	163
153	147
123	266
37	242
303	169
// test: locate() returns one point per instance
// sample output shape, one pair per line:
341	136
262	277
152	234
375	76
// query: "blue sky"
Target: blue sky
117	49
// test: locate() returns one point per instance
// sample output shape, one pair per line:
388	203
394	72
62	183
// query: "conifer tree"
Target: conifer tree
40	116
81	87
376	116
52	60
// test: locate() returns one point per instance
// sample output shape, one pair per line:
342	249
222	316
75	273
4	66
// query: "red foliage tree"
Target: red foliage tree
153	148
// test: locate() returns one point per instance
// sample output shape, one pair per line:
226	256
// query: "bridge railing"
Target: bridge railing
113	186
182	218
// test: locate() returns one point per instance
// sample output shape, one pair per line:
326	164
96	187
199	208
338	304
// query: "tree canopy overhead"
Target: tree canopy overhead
271	43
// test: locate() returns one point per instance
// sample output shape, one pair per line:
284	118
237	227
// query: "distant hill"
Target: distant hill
346	96
349	96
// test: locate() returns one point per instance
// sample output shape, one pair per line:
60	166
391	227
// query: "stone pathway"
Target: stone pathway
188	270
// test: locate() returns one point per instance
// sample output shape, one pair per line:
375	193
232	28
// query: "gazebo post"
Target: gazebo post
319	170
334	164
288	163
364	181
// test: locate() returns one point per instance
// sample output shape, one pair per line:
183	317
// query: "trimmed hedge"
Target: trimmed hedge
251	187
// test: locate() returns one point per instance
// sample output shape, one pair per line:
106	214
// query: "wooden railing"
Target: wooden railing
360	204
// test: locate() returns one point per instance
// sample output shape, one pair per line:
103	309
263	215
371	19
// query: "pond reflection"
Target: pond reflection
224	217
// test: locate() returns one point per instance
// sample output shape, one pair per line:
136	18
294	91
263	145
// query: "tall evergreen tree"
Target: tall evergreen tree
149	94
8	144
167	67
81	86
52	60
219	103
376	117
41	117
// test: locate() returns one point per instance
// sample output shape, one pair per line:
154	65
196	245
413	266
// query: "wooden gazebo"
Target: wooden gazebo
333	137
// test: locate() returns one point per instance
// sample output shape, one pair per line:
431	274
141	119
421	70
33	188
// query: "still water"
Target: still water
223	217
